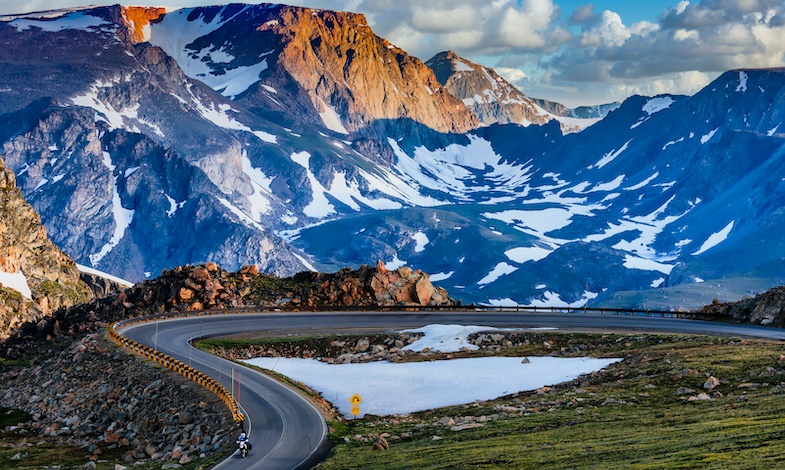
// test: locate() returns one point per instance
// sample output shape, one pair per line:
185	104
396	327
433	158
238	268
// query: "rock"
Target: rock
200	273
446	421
211	266
703	396
250	269
185	294
185	459
526	361
362	345
466	426
89	466
711	383
381	444
380	267
424	290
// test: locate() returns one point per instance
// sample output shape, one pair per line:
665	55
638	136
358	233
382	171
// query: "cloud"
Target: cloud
584	15
594	54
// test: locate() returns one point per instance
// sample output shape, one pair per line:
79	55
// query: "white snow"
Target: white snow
16	281
173	205
708	136
174	33
715	239
657	104
461	66
122	216
672	142
773	130
441	276
306	263
657	282
73	20
635	262
260	198
609	157
530	253
331	118
449	169
388	388
501	269
742	82
395	263
320	206
421	240
540	221
95	272
235	81
445	338
553	299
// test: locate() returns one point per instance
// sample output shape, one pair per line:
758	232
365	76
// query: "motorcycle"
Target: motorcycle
244	448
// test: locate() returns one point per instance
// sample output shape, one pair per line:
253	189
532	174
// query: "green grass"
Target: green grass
628	416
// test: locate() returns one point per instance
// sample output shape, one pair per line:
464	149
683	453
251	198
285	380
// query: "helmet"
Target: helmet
242	435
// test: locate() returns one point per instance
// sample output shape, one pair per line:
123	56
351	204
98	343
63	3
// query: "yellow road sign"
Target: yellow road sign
355	410
355	399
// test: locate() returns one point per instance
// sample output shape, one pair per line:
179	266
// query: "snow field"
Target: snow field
387	388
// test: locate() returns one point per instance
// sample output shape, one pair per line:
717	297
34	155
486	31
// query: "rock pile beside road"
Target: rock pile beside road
207	286
767	309
95	396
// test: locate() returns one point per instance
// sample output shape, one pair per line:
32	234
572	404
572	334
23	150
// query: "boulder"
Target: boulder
711	383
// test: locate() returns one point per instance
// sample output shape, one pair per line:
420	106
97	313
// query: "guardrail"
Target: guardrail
178	366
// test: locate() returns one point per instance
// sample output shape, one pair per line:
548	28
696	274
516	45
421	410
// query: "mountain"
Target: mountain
581	112
297	139
206	131
36	278
495	101
650	207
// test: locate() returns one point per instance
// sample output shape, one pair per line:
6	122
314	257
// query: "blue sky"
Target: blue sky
572	51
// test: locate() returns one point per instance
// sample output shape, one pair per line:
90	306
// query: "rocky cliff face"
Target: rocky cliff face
37	278
343	65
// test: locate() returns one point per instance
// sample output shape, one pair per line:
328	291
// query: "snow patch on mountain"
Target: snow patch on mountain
68	20
260	199
441	276
453	170
658	104
742	82
715	239
320	206
635	262
501	269
525	254
708	136
16	281
420	240
175	33
331	118
122	216
609	157
553	299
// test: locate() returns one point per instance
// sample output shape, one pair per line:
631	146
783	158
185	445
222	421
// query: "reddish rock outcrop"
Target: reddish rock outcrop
138	19
341	63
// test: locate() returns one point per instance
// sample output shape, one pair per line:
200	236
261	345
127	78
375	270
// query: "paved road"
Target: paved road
287	431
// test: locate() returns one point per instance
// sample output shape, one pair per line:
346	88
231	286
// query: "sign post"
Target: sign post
355	400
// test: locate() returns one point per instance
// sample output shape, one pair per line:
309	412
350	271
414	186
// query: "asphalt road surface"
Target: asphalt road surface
288	432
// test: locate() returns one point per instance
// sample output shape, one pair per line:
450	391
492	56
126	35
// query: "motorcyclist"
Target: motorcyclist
243	441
